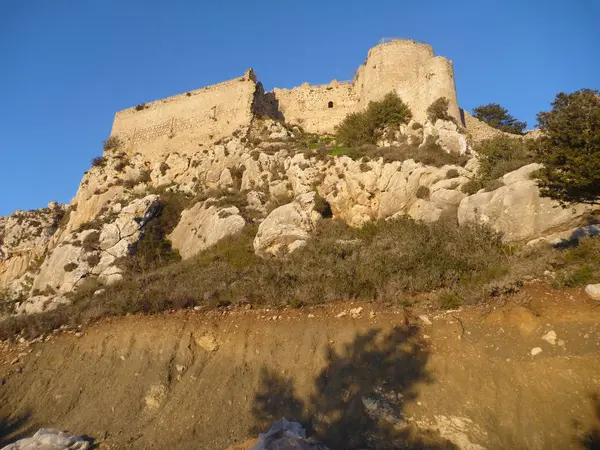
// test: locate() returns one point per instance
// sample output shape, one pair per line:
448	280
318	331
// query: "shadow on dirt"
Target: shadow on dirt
15	429
359	397
591	439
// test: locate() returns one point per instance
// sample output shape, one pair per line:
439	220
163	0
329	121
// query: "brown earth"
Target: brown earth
209	380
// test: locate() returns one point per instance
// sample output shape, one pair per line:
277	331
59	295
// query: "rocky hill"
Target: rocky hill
269	174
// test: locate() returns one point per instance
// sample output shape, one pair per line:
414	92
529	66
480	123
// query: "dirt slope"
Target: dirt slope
193	380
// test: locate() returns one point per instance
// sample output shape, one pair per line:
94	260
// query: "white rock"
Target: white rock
342	314
593	291
355	312
286	225
536	351
517	210
202	226
550	337
425	320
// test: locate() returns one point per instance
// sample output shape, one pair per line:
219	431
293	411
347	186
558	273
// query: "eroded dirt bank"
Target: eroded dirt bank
193	380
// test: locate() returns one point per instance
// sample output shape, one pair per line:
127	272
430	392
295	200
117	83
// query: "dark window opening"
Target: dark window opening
330	105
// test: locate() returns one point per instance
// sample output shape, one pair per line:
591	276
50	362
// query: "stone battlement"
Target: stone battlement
175	123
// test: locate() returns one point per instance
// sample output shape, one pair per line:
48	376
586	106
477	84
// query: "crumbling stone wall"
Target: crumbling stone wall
317	109
181	122
206	114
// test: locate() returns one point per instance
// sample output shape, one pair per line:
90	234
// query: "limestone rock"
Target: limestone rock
41	303
517	210
286	225
203	225
450	138
50	439
593	291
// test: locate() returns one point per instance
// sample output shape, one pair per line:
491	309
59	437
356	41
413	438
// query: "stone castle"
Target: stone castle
175	123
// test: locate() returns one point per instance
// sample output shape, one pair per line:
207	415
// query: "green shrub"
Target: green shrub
323	207
70	267
452	173
497	157
93	260
362	127
91	241
439	110
423	193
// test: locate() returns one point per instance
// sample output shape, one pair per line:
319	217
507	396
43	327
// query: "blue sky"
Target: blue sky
67	66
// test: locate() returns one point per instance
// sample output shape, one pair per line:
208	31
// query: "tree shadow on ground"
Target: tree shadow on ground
359	397
591	439
14	429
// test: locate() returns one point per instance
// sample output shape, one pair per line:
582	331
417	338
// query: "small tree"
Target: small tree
439	110
360	128
569	148
498	117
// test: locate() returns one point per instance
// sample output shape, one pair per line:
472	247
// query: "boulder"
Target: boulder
517	210
41	303
593	291
203	225
287	227
50	439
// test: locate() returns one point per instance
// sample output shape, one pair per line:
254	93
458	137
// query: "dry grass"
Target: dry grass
391	262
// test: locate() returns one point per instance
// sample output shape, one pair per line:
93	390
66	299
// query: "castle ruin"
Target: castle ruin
183	121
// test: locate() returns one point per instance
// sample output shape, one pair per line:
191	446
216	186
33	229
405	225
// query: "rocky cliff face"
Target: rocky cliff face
265	175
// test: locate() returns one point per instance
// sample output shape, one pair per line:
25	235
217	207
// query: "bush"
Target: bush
439	110
99	161
70	267
323	207
382	261
362	127
497	117
569	148
452	173
423	193
93	260
497	157
141	107
112	143
91	241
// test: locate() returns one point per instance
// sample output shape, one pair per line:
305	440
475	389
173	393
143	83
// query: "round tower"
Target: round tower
411	70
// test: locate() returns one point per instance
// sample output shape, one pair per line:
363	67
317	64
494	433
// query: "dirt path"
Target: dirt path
193	380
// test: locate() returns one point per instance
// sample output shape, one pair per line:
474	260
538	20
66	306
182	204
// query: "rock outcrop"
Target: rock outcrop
288	227
45	255
517	210
203	225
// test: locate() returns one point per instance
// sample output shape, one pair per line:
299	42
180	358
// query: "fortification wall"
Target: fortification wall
180	122
317	109
205	114
409	68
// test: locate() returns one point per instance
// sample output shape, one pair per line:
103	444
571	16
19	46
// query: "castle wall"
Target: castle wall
181	122
317	109
205	114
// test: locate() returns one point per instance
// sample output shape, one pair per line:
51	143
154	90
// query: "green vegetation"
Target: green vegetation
439	110
497	157
430	154
498	117
569	148
395	262
363	127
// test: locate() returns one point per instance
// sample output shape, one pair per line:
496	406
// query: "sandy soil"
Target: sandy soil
387	379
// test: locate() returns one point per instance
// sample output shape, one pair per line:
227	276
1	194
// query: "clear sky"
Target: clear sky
66	66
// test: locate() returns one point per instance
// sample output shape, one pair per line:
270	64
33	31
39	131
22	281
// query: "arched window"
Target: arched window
330	105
